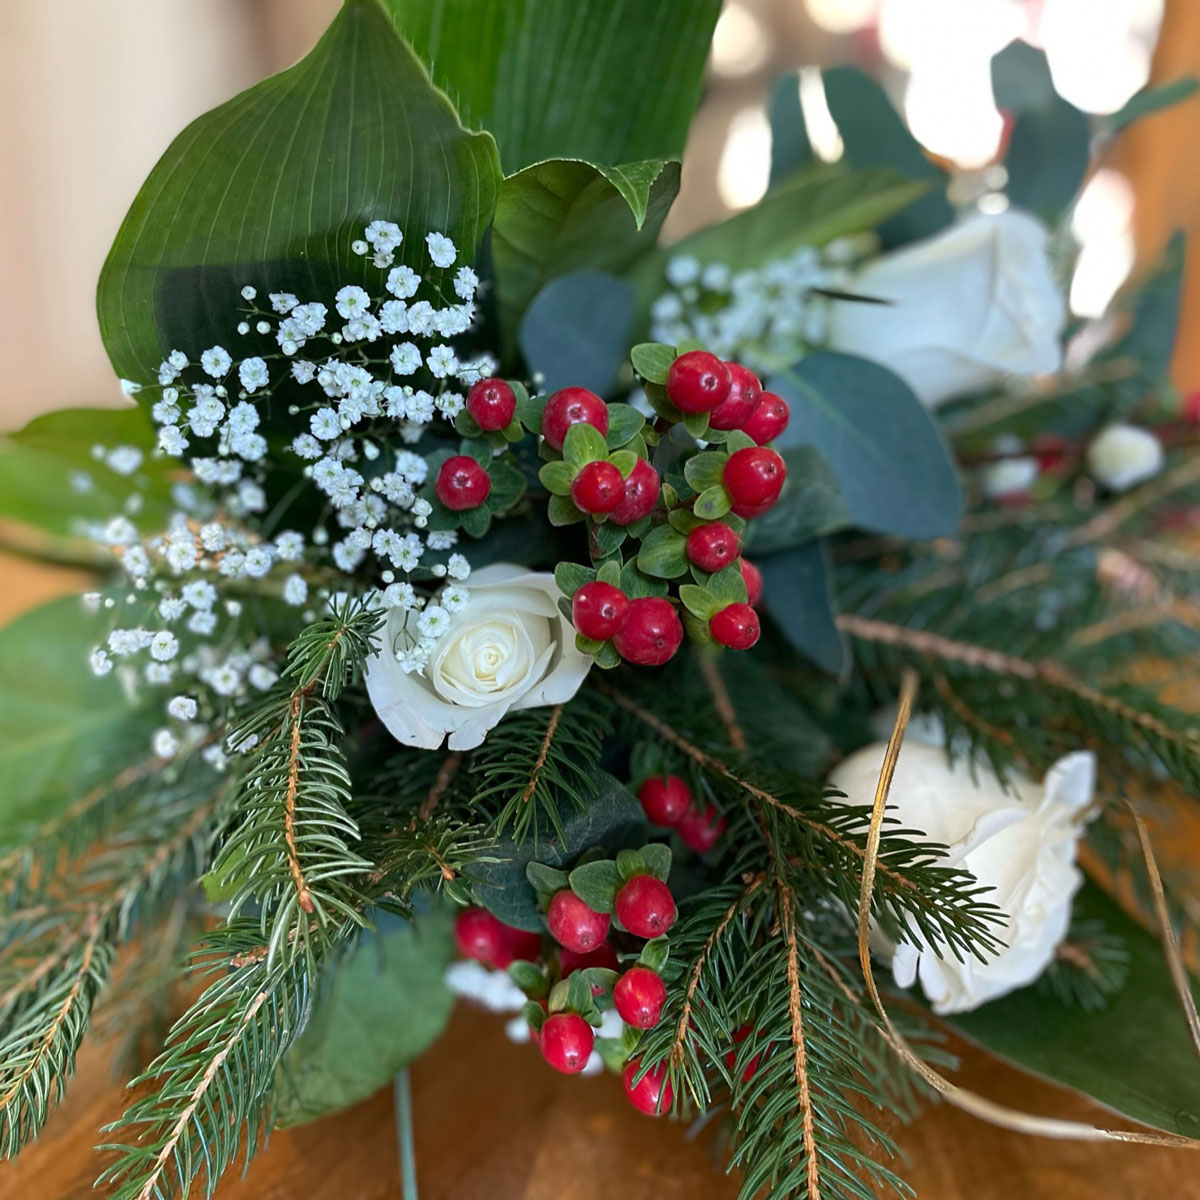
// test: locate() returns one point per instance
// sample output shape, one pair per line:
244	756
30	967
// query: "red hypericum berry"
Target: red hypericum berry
700	829
740	1035
744	393
598	610
713	546
735	626
492	403
462	483
566	1041
479	935
1050	450
1191	409
664	801
641	495
697	382
573	924
652	1094
568	407
768	420
754	581
598	488
645	906
754	478
603	956
639	996
651	634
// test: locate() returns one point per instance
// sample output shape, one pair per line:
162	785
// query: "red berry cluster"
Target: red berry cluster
667	800
603	906
624	609
643	907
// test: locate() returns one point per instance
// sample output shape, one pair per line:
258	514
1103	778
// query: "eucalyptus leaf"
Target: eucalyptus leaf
271	188
791	149
583	79
1150	100
576	331
892	467
810	505
612	819
379	1008
1049	145
875	136
798	592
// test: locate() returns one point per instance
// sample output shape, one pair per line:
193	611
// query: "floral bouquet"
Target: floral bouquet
731	651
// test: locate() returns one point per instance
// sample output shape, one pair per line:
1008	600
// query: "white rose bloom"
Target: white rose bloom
969	307
507	648
1020	842
1124	455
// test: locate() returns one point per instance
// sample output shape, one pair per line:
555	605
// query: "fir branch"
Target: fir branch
215	1074
535	762
45	1014
799	1043
943	905
290	854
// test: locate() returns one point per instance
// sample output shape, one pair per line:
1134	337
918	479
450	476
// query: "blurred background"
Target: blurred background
91	94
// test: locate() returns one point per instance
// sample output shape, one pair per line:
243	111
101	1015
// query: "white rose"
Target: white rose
969	307
1020	842
507	648
1123	455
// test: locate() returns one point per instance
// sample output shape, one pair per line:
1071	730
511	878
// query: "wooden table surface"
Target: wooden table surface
493	1122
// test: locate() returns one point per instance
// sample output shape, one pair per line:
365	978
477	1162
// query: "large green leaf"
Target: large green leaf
51	481
62	730
811	209
1133	1055
381	1007
612	818
272	187
892	467
608	81
562	216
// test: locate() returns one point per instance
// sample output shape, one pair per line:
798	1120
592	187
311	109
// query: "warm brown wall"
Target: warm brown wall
1161	155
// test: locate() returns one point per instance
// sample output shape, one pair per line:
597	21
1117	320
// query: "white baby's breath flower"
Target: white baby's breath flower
164	646
253	374
183	708
352	301
405	358
441	249
216	362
